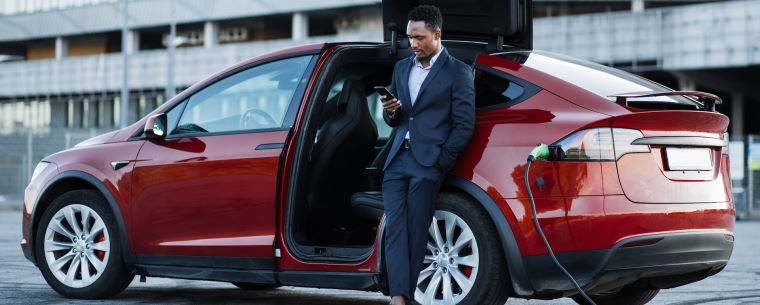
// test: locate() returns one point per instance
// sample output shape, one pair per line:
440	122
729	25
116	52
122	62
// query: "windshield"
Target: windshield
599	79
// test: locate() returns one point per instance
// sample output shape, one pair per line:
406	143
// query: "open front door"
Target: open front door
205	196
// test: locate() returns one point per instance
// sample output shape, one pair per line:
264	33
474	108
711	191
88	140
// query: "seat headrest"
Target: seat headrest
350	86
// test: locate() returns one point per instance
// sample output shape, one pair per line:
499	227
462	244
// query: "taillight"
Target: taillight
586	145
623	138
598	144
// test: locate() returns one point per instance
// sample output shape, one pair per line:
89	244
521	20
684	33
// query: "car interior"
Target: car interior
335	202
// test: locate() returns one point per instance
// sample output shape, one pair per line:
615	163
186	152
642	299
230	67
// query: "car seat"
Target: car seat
341	152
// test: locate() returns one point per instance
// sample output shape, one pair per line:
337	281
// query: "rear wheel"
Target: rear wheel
78	248
464	263
626	296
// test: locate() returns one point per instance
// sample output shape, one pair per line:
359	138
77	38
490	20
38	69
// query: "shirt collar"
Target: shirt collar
432	60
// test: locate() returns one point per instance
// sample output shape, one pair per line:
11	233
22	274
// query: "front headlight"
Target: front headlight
38	169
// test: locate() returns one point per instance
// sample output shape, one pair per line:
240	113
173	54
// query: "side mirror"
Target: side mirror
155	127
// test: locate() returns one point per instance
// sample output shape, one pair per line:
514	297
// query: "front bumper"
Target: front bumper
655	261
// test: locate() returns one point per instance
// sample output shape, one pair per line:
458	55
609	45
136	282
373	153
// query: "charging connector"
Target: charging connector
542	151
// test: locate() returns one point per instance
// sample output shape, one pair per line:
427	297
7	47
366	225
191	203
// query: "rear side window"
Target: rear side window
495	89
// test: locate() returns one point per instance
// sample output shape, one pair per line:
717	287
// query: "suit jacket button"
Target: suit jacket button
411	118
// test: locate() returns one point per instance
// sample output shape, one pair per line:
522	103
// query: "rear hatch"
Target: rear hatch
503	22
686	159
668	146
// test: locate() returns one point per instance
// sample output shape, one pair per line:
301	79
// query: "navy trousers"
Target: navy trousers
409	195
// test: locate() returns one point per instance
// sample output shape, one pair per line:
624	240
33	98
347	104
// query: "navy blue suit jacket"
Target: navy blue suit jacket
442	120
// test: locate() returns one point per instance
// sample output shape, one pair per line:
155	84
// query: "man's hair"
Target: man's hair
431	15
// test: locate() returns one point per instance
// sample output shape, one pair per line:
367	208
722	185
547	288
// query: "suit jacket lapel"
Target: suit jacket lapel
442	59
404	94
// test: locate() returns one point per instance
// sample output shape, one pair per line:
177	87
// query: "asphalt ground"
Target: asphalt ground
22	283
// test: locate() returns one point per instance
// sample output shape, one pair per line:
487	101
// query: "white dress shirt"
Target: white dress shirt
416	76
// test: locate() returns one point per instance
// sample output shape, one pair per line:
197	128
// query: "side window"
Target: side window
254	99
494	91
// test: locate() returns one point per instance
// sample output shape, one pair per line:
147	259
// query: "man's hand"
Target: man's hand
390	104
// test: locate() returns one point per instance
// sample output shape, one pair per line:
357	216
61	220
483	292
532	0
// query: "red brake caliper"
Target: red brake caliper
100	254
468	269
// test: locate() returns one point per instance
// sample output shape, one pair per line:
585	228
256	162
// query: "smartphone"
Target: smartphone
383	91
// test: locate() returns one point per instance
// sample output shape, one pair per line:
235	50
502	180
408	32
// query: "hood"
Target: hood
96	140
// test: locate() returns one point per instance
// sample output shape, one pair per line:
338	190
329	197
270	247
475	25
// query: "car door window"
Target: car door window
254	99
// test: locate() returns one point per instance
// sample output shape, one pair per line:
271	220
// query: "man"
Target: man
434	115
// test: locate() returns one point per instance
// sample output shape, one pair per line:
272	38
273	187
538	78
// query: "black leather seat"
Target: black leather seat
342	151
369	205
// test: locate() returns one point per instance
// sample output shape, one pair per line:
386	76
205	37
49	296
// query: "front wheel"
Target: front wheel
464	263
78	248
625	296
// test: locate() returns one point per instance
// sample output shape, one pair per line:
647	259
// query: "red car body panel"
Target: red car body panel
579	197
495	157
495	161
211	195
94	160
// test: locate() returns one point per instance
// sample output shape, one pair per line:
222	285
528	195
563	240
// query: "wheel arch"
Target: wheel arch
515	266
76	180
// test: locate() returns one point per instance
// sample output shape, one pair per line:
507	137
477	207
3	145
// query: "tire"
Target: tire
489	285
254	286
84	268
626	296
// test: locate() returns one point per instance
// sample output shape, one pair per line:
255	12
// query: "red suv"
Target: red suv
267	174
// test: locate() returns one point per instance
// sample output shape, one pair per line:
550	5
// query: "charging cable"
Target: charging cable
542	151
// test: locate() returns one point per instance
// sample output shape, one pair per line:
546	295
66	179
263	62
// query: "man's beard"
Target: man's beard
423	56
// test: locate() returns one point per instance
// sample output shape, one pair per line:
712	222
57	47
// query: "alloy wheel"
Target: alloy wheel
451	262
77	245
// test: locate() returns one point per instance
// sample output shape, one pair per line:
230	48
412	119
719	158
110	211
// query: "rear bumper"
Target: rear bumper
654	261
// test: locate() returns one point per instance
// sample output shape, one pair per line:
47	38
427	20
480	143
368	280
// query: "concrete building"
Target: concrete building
62	61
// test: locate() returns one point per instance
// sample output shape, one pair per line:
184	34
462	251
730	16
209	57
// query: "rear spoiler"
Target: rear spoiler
681	141
705	101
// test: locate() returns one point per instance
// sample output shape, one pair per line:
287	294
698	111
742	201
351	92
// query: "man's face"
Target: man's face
425	43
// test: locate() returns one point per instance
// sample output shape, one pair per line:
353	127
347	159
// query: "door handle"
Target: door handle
270	146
